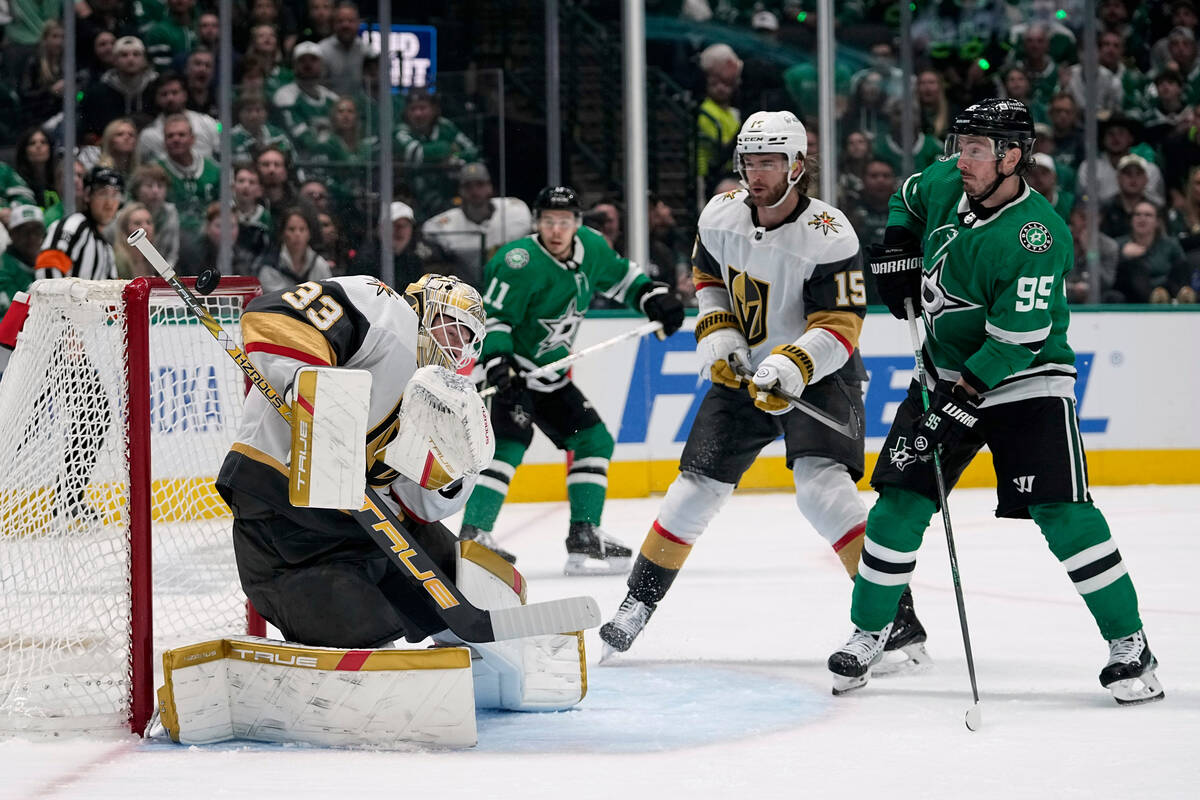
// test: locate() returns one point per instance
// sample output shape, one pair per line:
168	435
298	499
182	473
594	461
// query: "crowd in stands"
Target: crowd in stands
304	154
1148	90
305	148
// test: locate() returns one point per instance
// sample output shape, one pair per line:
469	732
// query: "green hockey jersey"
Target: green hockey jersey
536	303
993	296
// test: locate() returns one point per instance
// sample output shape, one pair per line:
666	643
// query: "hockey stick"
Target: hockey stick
850	428
567	360
469	623
974	716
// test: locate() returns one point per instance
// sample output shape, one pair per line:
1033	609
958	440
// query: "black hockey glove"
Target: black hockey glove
897	271
503	373
951	416
661	304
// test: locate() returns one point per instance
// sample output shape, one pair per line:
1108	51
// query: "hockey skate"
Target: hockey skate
905	650
591	551
851	666
485	538
1129	673
620	631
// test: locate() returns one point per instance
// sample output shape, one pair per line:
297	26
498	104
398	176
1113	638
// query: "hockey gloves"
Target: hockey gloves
718	339
951	417
780	372
660	304
503	373
897	271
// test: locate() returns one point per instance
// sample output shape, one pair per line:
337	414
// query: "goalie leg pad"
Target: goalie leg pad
270	691
536	673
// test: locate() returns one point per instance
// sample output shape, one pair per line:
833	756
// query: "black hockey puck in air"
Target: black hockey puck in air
207	281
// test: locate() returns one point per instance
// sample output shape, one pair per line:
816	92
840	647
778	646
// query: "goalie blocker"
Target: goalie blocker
383	698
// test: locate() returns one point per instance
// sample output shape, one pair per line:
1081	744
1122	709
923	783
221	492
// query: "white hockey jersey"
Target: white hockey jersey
474	243
357	322
782	282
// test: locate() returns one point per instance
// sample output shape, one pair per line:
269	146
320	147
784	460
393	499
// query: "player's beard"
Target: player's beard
771	196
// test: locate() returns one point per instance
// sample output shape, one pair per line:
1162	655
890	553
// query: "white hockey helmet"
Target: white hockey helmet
773	132
451	329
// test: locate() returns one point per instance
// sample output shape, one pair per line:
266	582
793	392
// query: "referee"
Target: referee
74	246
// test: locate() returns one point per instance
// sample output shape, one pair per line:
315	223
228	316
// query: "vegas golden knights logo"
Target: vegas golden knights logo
750	305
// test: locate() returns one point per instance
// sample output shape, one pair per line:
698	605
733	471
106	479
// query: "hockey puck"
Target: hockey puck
974	718
207	281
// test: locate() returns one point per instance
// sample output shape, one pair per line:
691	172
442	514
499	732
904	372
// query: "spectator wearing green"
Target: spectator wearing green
172	36
13	190
147	12
304	105
1043	178
719	120
432	149
194	180
27	228
55	212
247	194
345	152
1034	57
264	47
252	131
925	150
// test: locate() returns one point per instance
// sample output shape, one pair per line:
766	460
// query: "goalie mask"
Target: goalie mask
773	132
451	321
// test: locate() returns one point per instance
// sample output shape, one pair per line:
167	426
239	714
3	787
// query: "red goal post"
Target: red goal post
116	410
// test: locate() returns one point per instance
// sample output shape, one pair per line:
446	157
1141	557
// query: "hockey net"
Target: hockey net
116	410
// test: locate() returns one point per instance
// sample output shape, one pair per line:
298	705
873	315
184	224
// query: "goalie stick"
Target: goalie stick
468	622
567	360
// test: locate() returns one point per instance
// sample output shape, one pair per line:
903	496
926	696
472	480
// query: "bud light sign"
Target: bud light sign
413	52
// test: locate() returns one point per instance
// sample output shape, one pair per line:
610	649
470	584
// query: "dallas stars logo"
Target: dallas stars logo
936	299
900	455
561	331
1035	237
824	223
381	287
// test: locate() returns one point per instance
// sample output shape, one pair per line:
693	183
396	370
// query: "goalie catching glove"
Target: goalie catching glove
788	369
718	340
444	432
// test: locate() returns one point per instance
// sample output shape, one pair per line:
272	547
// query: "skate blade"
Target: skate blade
843	684
907	660
609	654
578	564
1136	691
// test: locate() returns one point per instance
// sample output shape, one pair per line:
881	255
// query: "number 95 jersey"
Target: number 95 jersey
992	295
780	282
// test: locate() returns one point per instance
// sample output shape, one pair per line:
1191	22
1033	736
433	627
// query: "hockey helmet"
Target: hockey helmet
557	198
1006	122
100	176
451	321
773	132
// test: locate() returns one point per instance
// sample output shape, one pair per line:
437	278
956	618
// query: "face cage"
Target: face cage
431	351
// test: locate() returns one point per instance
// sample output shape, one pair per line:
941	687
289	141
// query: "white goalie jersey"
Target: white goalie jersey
799	283
356	322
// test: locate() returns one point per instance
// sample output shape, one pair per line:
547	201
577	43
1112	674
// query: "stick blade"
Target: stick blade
974	718
553	616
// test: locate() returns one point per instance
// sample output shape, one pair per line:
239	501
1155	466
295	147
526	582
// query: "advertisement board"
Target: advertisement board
1139	376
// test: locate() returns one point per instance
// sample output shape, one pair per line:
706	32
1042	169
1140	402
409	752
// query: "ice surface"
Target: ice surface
726	693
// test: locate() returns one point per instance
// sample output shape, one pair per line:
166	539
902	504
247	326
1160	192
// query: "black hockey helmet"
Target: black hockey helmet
557	198
103	176
1006	122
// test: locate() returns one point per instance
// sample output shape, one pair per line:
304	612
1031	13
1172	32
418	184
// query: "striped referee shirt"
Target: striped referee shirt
74	248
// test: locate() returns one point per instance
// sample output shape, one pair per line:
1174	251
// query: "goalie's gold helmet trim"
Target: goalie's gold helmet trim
451	317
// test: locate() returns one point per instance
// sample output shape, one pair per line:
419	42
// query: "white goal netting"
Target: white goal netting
67	431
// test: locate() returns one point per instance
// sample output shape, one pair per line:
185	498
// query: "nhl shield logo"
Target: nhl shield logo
1035	237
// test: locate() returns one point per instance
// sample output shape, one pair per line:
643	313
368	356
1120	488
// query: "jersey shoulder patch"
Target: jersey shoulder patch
1035	237
516	258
